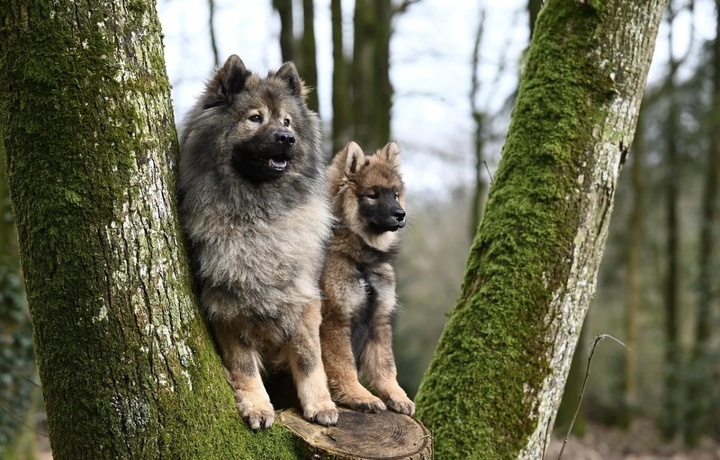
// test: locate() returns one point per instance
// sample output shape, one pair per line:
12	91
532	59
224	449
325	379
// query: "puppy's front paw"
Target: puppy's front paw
402	405
324	413
369	404
259	415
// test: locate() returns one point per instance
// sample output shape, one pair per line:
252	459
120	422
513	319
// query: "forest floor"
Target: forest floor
599	443
642	442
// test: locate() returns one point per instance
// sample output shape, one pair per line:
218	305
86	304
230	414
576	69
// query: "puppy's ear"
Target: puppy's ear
354	158
227	81
289	74
391	154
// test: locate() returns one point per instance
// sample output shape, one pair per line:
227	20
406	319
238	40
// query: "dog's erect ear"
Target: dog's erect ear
354	158
391	154
227	81
289	74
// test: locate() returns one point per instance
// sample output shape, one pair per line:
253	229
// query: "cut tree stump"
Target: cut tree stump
360	436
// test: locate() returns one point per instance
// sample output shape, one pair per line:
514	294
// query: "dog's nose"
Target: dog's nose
285	138
399	214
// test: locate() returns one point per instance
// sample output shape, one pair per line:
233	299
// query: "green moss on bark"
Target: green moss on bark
127	366
478	395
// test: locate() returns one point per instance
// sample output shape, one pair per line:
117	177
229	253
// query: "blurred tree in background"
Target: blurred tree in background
19	394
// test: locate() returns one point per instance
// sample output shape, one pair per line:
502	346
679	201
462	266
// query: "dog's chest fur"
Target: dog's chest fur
259	267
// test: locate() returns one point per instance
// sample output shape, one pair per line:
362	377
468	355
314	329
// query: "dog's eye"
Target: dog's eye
397	195
286	122
255	118
372	195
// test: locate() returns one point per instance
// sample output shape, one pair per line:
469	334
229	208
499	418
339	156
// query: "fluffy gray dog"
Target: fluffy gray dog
253	204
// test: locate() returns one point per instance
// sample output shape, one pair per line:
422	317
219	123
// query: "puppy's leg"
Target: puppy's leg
378	363
308	371
340	366
243	370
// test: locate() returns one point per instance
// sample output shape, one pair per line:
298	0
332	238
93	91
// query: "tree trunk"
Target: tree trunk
127	365
534	7
496	380
341	102
17	366
701	414
478	202
670	421
382	93
308	59
363	77
634	267
287	37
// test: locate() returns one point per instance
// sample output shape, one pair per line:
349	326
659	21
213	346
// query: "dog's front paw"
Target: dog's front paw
402	405
324	413
259	415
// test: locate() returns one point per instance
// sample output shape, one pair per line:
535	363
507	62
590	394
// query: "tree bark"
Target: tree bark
496	380
573	388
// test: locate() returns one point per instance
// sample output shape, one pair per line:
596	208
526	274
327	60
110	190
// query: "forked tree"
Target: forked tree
127	366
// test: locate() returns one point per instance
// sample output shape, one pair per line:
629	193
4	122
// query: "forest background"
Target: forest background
443	86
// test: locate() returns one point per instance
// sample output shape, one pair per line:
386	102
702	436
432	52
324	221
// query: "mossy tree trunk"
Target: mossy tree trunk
497	377
127	367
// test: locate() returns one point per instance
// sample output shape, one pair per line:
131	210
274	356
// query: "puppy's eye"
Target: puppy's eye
255	118
372	195
397	195
286	122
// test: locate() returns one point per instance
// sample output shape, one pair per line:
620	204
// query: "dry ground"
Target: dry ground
600	443
642	442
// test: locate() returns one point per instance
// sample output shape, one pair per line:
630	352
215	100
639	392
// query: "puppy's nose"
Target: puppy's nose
399	215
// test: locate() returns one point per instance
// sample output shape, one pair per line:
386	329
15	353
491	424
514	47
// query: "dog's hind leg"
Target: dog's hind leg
308	371
378	364
242	365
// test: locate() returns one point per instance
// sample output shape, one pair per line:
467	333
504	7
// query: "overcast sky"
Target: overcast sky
430	58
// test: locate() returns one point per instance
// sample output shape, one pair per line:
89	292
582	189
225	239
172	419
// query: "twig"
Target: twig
488	171
21	421
597	340
401	8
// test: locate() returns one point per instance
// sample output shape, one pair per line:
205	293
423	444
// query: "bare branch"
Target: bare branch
403	6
